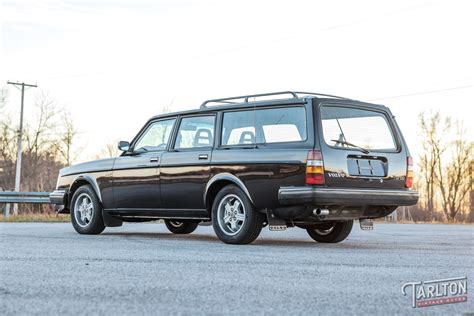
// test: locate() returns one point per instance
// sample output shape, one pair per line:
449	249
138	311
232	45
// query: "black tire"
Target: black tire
179	227
331	232
95	224
244	222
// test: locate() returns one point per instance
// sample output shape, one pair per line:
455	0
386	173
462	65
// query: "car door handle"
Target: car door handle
203	156
154	159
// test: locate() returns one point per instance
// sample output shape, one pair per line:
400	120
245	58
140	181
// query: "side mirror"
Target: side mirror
123	145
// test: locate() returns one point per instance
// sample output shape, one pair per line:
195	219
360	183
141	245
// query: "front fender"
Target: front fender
109	220
80	180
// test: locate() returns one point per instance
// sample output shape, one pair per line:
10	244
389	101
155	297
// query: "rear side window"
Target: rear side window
364	128
264	126
195	132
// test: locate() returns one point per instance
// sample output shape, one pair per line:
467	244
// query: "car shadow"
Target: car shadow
309	244
262	241
167	236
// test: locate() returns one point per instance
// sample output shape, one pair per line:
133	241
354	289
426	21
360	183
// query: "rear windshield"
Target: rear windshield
347	126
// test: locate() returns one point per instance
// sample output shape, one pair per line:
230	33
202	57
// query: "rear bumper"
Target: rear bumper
346	196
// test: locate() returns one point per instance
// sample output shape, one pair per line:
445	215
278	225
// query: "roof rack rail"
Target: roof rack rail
245	98
323	95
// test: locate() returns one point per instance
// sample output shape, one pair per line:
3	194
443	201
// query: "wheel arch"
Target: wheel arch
217	182
83	179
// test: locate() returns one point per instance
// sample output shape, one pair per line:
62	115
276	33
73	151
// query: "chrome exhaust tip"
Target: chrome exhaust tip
321	211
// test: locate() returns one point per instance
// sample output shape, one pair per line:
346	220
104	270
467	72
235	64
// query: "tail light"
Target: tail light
314	168
409	177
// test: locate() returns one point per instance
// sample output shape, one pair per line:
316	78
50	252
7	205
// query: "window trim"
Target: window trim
172	147
392	128
265	144
146	128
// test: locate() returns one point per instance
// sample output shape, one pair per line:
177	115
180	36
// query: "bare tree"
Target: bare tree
47	112
40	143
454	178
8	142
3	97
48	145
110	151
471	193
433	131
166	108
67	135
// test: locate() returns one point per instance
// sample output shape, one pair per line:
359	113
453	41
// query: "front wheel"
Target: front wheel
234	218
86	211
178	227
331	232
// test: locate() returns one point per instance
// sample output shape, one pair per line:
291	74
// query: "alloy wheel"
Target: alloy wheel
83	210
231	214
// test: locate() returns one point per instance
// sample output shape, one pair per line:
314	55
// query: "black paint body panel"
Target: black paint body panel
136	181
183	178
262	170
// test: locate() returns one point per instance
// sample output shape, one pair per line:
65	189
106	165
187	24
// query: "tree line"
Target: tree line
444	178
47	146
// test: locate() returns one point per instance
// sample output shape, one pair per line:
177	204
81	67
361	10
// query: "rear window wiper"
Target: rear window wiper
343	142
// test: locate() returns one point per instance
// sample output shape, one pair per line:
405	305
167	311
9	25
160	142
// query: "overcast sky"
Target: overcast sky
114	64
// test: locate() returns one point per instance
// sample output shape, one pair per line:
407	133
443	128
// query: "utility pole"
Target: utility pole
20	137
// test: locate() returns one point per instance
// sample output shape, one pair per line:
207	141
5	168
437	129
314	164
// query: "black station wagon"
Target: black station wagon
281	160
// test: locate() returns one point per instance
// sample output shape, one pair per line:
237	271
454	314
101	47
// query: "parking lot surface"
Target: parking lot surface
143	269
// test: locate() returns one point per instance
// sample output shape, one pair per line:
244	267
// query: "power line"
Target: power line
20	136
422	92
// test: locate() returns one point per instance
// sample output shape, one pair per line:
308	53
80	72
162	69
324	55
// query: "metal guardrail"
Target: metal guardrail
25	197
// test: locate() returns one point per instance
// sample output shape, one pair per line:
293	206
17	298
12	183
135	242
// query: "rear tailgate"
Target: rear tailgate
361	147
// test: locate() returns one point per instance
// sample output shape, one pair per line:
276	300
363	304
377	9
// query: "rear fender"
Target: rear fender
228	177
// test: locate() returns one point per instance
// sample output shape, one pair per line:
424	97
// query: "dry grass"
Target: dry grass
434	222
49	217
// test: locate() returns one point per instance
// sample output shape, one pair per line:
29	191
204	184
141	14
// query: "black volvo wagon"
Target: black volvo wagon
280	160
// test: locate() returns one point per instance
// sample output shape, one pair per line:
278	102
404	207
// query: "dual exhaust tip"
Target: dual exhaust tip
321	212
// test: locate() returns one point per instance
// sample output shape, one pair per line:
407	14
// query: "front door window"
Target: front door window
155	138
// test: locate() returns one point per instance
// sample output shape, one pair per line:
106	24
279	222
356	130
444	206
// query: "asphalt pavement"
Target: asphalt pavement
141	269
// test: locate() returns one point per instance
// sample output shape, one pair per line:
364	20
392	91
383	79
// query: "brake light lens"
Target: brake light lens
409	177
314	168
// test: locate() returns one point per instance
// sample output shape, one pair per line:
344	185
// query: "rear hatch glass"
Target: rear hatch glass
360	148
344	126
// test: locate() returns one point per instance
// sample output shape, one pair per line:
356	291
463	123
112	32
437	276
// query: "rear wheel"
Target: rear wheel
331	232
179	227
86	211
234	218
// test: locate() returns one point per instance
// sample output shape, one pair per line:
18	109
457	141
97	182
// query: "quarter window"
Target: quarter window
238	128
156	137
264	126
195	132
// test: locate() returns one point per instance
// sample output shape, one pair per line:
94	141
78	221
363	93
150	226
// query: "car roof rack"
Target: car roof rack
245	98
